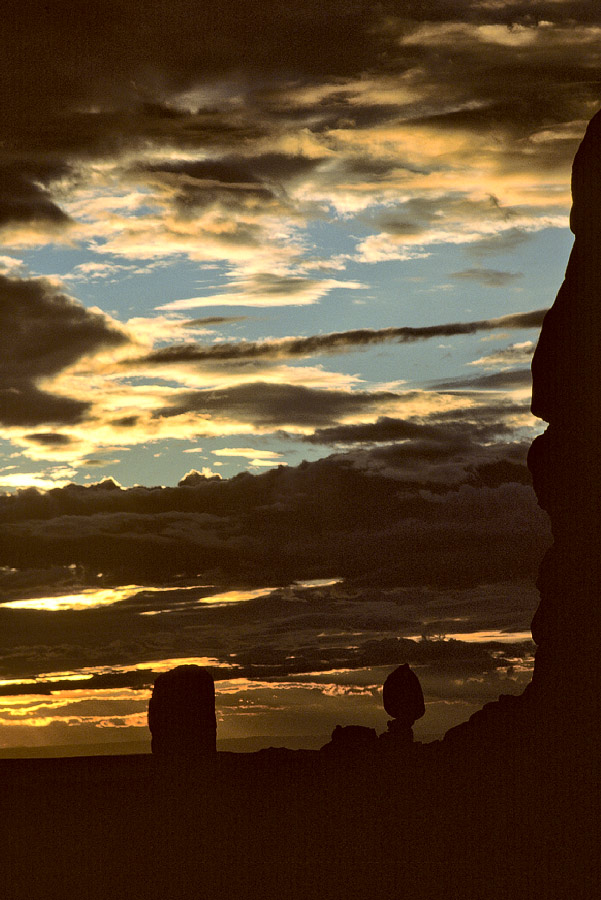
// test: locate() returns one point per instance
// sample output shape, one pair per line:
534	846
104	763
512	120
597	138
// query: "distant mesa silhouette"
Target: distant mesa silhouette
403	699
181	714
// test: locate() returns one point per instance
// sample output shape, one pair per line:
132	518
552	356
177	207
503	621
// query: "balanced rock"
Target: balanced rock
181	713
403	697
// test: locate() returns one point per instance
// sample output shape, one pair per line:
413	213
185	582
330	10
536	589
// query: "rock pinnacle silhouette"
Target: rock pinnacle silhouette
562	705
403	699
565	463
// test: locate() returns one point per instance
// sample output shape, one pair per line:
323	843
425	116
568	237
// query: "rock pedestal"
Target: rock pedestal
397	734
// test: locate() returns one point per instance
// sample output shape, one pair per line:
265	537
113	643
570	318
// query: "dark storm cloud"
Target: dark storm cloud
387	429
266	404
48	331
231	178
24	197
77	85
518	76
286	633
335	342
125	421
363	514
524	117
440	466
196	185
187	110
84	80
443	435
49	439
503	12
133	680
86	54
396	539
18	583
23	404
488	277
448	659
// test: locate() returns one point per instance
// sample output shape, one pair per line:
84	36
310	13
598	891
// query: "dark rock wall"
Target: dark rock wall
565	463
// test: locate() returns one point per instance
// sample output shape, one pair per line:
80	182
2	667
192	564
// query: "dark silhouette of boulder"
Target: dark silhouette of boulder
402	696
404	700
181	713
351	738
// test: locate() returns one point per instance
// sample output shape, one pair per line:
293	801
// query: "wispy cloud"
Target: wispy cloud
488	277
264	289
336	342
514	354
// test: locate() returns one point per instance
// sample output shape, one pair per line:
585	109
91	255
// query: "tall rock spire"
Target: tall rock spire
562	705
565	463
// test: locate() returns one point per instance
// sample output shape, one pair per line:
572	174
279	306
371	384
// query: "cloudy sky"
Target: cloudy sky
271	278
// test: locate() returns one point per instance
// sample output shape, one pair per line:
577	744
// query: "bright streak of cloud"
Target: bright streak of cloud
247	451
228	597
86	599
44	481
302	295
479	637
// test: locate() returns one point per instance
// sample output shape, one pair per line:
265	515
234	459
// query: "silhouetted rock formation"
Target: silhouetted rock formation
350	738
403	699
561	707
565	463
402	695
181	713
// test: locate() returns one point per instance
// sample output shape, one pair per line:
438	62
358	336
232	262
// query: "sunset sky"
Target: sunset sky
271	278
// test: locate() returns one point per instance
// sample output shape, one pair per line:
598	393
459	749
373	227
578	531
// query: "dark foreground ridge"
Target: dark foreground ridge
507	805
303	825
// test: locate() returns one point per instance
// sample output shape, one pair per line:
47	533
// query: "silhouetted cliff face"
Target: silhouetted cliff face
562	705
567	364
566	467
